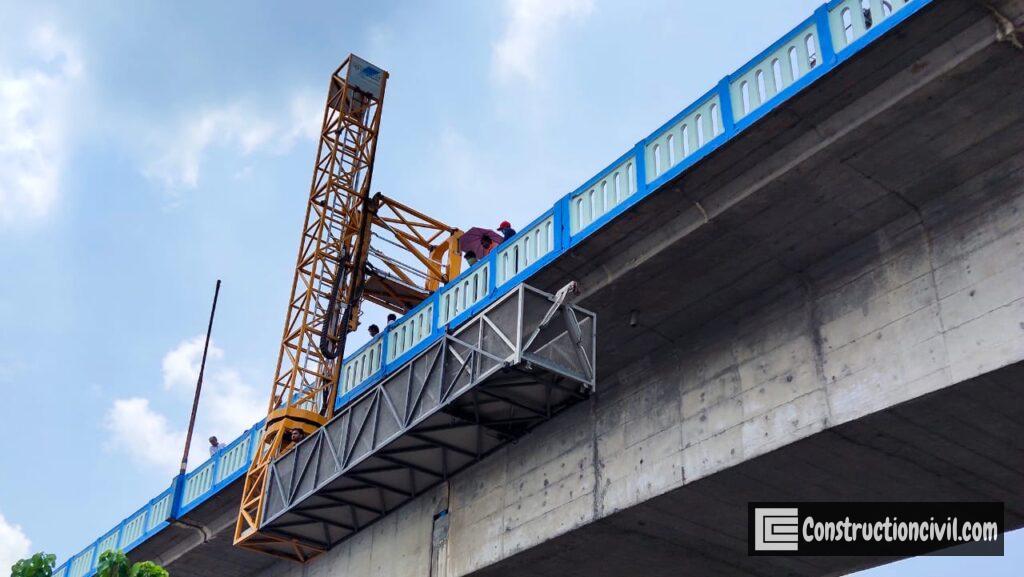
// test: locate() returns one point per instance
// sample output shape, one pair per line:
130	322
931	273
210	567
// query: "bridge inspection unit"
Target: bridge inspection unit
806	285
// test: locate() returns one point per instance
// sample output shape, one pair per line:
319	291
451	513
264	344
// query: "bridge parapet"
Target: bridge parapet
184	494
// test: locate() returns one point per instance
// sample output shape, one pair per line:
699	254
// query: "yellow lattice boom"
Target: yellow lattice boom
337	267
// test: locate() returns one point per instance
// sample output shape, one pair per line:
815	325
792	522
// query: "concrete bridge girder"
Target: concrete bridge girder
847	322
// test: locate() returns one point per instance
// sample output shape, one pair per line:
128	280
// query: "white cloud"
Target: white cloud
230	405
530	25
233	404
35	102
465	168
143	434
240	128
227	407
181	364
14	545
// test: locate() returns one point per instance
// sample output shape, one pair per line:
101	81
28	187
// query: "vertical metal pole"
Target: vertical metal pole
199	383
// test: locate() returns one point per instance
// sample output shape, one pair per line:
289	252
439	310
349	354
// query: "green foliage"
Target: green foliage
116	564
148	569
39	565
113	563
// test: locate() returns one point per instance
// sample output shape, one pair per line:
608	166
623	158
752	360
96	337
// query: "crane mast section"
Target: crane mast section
332	249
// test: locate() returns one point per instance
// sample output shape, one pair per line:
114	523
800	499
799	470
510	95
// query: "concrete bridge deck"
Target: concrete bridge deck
829	306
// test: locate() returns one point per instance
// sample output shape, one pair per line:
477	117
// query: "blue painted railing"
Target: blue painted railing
789	65
185	493
834	33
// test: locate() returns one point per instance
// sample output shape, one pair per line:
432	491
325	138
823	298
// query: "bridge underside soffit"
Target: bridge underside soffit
935	107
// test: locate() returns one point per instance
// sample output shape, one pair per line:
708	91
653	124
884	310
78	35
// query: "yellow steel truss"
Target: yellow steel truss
337	267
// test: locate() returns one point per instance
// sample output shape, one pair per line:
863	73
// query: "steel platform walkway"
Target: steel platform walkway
513	366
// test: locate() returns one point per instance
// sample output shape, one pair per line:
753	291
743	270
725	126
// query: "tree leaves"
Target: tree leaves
116	564
112	563
148	569
39	565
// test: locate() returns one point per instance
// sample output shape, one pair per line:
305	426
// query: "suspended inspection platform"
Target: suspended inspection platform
513	366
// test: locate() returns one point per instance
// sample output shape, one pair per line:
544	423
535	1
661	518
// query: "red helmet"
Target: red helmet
504	224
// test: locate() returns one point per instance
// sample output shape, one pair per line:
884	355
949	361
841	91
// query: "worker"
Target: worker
374	331
392	317
506	230
296	435
215	446
487	245
470	257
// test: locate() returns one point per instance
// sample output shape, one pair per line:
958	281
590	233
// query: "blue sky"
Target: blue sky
147	149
